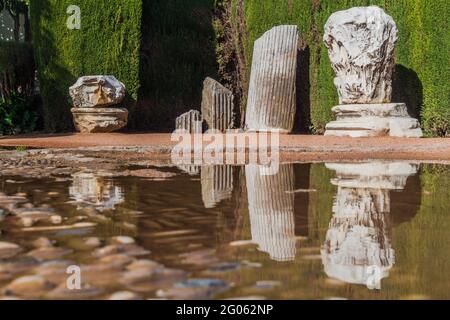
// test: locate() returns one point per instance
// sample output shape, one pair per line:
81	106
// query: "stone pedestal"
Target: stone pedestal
99	120
370	120
271	102
217	106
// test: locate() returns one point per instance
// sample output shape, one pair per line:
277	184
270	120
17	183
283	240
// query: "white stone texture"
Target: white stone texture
97	91
271	102
371	120
361	43
99	120
271	209
217	184
189	122
217	106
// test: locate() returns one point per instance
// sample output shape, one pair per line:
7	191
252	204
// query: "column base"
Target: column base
372	120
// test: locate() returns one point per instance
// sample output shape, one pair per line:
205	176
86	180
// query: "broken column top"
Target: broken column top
97	91
217	105
361	43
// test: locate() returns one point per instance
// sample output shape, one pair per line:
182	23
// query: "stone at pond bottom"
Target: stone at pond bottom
9	250
29	286
217	106
124	295
369	120
97	91
189	122
99	120
271	102
361	43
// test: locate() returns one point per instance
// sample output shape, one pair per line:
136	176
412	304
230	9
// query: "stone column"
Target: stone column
271	208
358	246
361	43
189	122
217	106
217	184
271	102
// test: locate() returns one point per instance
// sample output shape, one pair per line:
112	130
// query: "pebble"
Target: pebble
81	225
56	219
123	240
28	286
49	253
194	289
124	295
151	280
64	293
267	284
129	249
9	250
42	242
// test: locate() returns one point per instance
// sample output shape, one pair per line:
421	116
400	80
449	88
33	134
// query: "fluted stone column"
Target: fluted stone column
358	246
190	122
271	102
361	43
271	208
217	106
217	184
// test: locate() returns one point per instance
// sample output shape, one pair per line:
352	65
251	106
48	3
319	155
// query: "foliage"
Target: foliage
17	114
108	43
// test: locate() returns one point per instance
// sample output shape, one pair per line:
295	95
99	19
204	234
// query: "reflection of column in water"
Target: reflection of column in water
358	247
217	184
271	209
91	189
191	170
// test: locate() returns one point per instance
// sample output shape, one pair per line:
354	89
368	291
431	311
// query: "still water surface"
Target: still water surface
378	230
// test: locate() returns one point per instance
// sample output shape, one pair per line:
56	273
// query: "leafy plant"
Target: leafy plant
17	114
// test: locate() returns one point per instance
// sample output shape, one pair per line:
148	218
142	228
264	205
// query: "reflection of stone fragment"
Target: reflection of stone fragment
217	184
358	245
191	170
271	210
94	190
271	99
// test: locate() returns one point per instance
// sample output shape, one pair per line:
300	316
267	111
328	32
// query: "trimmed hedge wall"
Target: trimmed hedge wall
178	53
422	72
108	43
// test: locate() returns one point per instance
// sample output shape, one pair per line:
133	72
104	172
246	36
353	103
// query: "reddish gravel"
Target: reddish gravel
294	147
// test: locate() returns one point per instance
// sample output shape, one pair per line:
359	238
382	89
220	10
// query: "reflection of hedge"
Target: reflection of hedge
423	73
108	43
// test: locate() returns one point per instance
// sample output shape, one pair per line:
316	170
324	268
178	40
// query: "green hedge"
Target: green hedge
178	53
108	43
422	73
